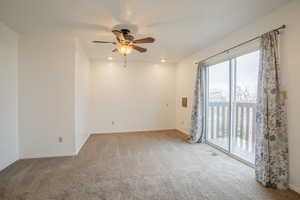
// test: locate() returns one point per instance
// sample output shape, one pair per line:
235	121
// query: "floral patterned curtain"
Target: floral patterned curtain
271	160
198	111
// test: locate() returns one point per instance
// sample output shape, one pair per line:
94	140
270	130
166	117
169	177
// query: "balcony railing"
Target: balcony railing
243	127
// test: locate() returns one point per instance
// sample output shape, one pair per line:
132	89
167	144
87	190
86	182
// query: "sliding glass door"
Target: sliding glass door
245	72
218	103
231	105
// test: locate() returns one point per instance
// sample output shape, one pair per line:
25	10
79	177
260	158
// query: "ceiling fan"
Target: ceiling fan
125	42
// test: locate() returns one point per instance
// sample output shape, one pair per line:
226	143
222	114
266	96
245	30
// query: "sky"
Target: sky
246	74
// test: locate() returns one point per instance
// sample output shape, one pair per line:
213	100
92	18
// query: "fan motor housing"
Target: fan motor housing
125	31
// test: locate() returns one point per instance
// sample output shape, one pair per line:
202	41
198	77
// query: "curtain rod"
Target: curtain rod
241	44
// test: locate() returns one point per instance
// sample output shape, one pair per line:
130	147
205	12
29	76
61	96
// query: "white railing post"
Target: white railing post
244	137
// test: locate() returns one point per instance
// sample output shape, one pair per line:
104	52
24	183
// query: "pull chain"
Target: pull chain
125	60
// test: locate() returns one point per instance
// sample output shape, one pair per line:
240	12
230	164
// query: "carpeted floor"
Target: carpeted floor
145	166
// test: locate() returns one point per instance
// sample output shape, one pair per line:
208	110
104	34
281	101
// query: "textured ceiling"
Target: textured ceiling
180	27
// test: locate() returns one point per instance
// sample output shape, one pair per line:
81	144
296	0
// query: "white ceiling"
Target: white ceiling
180	27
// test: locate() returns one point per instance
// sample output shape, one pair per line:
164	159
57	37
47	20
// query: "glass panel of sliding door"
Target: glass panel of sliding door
218	105
244	92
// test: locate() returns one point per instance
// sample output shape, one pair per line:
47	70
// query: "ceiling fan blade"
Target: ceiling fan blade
144	40
103	42
115	50
140	49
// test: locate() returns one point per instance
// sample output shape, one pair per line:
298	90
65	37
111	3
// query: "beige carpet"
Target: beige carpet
136	166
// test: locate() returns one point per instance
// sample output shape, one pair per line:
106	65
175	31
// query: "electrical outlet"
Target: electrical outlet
112	123
60	139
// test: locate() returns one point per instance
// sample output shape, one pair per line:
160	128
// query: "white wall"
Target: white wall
290	68
82	96
46	95
9	151
185	83
136	98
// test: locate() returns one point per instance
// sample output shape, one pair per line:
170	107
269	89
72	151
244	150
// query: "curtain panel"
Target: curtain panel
271	159
197	132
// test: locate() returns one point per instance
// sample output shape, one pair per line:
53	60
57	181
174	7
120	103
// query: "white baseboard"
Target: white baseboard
47	156
136	131
8	164
183	132
294	188
85	140
75	153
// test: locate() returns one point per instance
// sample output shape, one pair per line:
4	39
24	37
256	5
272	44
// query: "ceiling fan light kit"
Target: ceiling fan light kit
125	43
124	49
